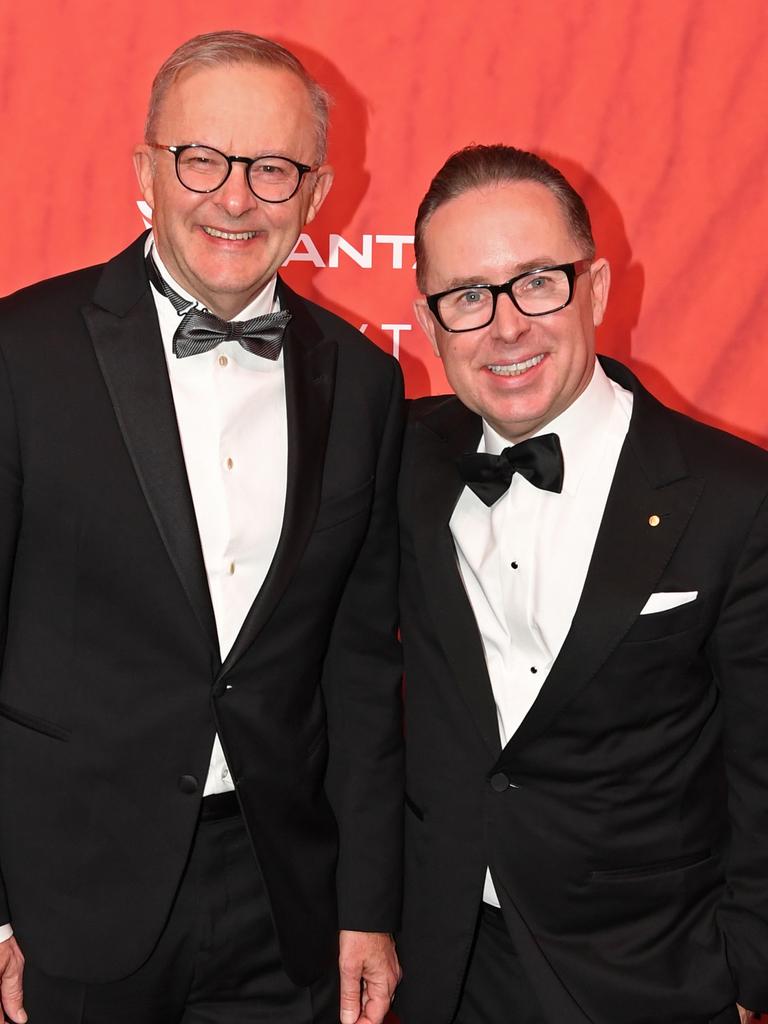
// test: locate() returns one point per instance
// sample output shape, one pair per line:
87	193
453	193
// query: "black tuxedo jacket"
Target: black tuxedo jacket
112	687
626	821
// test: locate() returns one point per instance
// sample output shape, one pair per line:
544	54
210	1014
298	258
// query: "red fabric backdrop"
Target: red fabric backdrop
656	109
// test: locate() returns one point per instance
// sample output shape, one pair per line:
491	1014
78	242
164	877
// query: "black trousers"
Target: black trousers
495	991
217	961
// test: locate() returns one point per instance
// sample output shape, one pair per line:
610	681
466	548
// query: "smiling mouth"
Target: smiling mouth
514	369
230	236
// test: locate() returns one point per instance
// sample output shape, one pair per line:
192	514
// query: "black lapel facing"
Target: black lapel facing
122	322
444	433
649	505
310	376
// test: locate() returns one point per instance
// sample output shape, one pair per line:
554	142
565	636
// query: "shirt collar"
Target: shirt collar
265	302
579	427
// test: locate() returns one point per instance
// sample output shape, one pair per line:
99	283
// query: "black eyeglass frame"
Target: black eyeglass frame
247	160
571	271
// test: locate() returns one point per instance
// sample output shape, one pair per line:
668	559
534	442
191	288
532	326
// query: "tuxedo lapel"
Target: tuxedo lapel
122	322
446	432
630	554
310	374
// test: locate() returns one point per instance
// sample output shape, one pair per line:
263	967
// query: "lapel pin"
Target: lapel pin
654	520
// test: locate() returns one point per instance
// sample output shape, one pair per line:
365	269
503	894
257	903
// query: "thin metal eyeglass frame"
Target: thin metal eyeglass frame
248	161
571	271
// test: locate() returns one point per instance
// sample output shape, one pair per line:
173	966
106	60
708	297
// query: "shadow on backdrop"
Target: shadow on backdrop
349	124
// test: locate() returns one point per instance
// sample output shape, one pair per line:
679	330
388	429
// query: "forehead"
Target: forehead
244	104
492	230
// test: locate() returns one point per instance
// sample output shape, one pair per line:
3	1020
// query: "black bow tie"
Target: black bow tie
200	330
538	459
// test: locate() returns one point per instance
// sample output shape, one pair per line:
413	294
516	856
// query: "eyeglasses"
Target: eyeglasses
534	293
273	179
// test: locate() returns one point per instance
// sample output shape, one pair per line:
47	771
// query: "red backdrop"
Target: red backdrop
655	109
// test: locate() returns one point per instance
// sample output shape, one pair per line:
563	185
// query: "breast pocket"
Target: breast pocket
341	508
658	625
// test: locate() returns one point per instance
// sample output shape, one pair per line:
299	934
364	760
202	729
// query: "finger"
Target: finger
13	1006
12	995
376	1002
349	1003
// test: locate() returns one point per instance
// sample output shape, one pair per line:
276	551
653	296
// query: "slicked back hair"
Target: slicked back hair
480	166
217	49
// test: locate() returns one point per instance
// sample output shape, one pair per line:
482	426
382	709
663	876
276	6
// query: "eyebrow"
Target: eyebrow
261	155
539	263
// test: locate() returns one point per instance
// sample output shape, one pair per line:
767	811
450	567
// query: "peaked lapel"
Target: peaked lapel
125	333
310	376
630	554
445	432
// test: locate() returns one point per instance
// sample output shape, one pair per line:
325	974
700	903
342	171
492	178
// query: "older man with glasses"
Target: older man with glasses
584	609
200	732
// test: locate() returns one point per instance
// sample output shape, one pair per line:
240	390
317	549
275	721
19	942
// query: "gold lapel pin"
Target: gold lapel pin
654	520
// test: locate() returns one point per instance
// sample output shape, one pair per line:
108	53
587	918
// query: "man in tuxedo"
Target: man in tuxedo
584	607
200	737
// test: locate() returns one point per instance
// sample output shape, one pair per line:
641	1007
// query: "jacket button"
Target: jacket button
188	783
499	782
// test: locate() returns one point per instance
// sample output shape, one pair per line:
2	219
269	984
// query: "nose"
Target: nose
235	195
509	324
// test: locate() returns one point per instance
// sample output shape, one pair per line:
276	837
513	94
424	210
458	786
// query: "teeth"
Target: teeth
231	236
515	369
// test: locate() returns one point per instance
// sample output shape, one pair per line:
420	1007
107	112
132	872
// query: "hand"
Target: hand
747	1016
369	975
11	971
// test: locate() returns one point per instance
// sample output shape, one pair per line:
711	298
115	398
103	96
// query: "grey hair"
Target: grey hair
479	166
215	49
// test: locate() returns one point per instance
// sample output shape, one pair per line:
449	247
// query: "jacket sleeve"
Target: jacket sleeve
362	686
739	650
10	518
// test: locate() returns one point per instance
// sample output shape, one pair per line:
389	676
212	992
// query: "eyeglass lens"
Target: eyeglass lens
537	293
204	170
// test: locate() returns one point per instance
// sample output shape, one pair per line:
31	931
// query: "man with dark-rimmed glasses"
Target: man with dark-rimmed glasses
583	614
200	735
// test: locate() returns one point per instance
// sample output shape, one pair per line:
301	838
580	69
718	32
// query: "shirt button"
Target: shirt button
224	773
223	360
534	670
231	568
229	463
513	564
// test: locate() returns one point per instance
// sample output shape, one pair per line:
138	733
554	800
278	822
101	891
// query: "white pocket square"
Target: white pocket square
665	600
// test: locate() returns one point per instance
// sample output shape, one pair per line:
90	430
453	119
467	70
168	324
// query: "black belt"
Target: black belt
218	806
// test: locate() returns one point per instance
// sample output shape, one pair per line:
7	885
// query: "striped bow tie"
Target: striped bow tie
201	331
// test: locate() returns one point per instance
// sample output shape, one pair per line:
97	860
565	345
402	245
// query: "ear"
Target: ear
320	189
600	278
427	323
143	163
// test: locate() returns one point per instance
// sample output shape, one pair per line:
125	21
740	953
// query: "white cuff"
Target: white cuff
5	932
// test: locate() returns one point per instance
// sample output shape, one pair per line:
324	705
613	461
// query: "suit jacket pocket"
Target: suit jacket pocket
339	508
652	869
659	625
33	722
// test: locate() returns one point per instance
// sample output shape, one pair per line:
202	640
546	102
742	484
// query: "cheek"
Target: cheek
284	222
460	369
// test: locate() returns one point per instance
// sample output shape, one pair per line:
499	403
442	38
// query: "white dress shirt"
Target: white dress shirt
230	409
524	560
